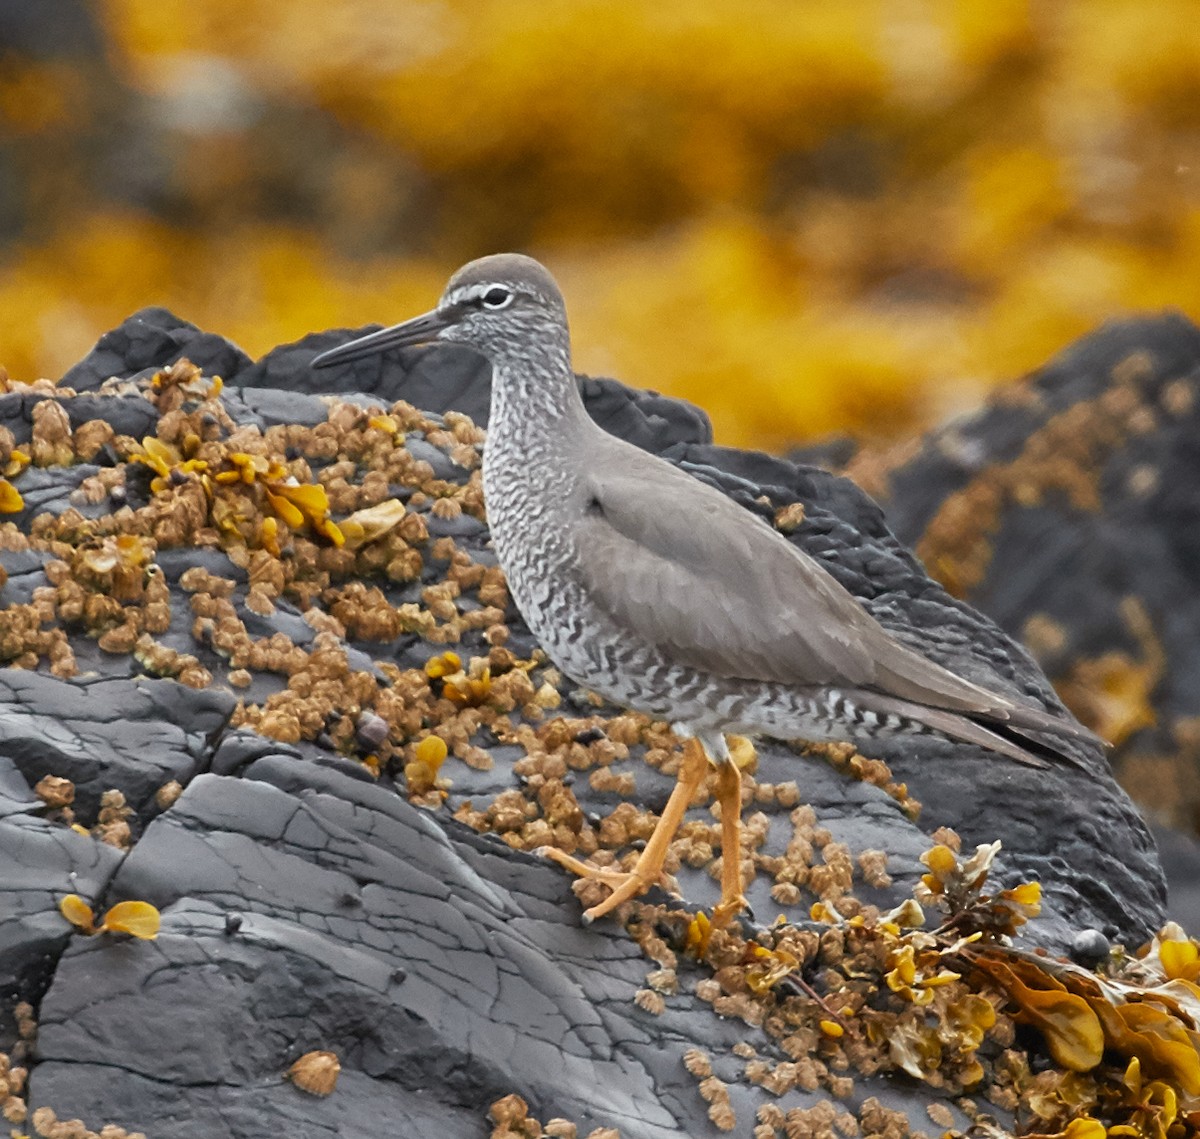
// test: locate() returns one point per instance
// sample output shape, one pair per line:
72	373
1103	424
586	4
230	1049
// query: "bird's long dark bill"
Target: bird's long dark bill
419	330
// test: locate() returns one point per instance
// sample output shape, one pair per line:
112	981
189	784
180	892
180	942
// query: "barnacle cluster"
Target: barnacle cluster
266	501
1064	458
1084	459
1066	461
12	1076
511	1120
842	998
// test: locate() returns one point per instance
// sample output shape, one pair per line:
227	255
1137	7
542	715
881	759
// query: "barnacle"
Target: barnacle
115	566
316	1072
50	442
55	791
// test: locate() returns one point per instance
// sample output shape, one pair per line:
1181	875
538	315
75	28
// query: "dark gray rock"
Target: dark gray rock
652	421
154	338
442	969
434	963
47	490
448	377
15	793
24	569
1132	389
307	906
1069	563
129	735
270	406
40	863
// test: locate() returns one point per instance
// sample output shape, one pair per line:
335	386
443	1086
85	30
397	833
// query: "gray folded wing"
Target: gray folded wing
684	567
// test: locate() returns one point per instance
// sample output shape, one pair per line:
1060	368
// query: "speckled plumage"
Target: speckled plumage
659	592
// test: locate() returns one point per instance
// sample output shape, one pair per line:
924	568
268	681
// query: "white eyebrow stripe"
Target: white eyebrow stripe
475	292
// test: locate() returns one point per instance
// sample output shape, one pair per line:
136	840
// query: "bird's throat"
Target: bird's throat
536	406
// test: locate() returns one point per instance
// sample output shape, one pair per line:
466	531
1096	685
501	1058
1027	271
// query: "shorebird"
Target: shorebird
665	596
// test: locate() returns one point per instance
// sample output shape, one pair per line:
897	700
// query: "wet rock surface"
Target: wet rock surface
320	889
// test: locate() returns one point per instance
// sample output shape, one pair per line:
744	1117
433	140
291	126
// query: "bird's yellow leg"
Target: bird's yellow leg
649	866
729	795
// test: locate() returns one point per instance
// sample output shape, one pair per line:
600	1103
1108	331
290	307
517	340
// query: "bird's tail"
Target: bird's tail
909	677
995	737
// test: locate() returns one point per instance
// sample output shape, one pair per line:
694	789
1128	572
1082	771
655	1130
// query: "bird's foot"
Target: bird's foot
649	868
727	909
625	884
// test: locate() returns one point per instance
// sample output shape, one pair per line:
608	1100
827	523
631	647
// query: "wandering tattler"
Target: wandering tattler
665	596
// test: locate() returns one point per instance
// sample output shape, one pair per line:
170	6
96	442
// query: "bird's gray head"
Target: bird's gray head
504	306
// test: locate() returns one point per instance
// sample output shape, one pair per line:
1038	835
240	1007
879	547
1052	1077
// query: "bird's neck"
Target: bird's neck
536	403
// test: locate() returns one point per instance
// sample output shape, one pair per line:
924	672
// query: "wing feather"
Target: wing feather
686	568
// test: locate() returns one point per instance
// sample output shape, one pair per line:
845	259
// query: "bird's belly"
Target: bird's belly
589	649
635	675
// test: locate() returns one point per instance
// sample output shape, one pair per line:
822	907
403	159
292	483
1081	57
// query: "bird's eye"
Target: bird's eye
496	297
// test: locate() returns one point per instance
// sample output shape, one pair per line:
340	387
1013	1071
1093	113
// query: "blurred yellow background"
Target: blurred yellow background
807	217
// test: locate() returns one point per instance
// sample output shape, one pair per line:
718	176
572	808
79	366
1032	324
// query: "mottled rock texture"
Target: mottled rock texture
308	904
